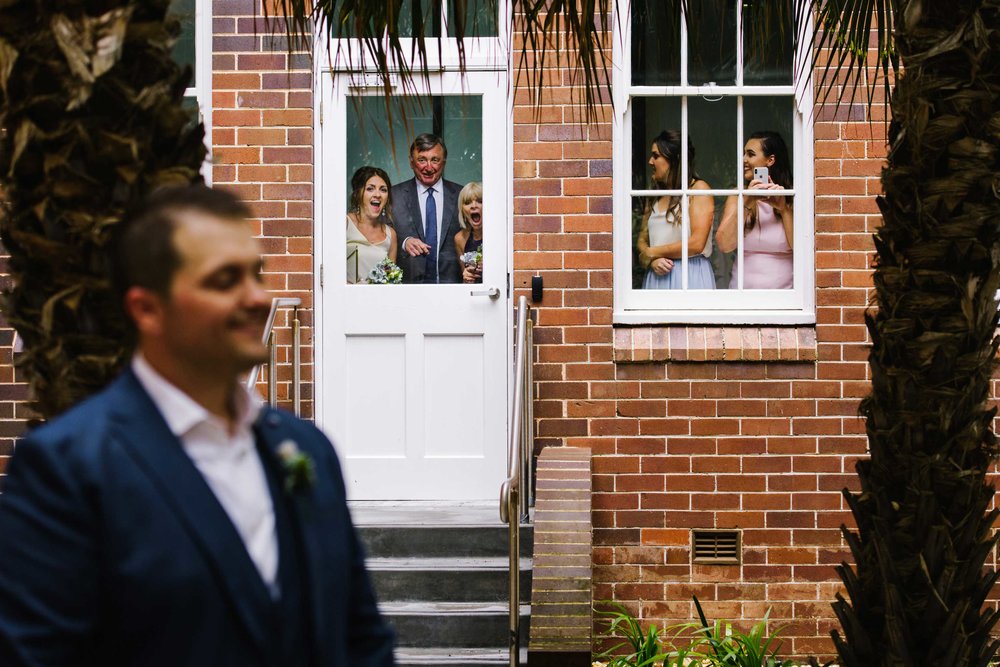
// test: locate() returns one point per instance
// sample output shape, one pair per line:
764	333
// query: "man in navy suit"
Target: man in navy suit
173	520
425	209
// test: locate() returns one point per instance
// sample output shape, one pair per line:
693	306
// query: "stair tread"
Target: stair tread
423	608
443	514
458	656
488	563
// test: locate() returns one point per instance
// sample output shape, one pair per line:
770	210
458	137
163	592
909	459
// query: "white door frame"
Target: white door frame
321	362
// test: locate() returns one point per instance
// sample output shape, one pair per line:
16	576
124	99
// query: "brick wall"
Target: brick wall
262	147
701	427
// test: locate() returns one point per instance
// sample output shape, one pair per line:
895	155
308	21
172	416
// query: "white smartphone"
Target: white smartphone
760	174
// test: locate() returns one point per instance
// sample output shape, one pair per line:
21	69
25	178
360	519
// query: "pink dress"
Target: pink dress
767	256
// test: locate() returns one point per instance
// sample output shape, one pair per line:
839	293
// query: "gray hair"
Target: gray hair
427	141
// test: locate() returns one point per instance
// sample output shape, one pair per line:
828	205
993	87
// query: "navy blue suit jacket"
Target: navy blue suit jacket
114	550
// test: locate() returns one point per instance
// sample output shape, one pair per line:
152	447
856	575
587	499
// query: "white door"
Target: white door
413	378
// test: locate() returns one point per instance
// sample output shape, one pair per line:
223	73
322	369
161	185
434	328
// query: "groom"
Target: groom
172	519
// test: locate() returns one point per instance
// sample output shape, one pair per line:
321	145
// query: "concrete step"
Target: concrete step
452	624
452	541
446	579
456	657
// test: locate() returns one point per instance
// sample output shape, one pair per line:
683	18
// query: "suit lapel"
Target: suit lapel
145	435
415	207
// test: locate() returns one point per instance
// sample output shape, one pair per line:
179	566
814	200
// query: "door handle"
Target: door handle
493	293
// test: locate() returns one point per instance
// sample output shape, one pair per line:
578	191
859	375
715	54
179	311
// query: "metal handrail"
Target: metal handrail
515	491
272	364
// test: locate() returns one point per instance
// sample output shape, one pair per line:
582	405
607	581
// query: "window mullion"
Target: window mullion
739	43
740	211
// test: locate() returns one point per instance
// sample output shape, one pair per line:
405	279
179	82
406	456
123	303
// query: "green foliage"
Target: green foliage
732	648
717	644
90	122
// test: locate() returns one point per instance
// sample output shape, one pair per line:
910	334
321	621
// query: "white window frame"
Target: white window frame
481	53
636	306
201	91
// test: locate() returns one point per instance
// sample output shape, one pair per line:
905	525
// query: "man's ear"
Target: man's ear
146	309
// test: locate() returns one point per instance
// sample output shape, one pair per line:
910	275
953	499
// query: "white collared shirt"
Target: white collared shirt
229	463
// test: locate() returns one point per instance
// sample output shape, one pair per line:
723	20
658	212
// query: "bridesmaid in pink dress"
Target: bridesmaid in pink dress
767	221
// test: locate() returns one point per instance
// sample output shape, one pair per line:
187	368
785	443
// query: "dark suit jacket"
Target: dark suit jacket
406	212
115	552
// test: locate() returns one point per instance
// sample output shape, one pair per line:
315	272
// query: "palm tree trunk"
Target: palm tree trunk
92	120
924	529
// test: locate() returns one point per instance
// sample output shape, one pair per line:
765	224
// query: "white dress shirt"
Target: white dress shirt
229	463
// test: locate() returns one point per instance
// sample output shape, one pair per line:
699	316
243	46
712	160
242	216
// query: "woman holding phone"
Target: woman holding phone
768	222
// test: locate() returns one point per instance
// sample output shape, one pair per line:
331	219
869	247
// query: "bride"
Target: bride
369	238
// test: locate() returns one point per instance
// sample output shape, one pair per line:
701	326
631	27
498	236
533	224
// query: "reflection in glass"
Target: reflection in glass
767	43
712	126
711	42
480	18
184	48
427	10
765	222
650	115
373	140
655	38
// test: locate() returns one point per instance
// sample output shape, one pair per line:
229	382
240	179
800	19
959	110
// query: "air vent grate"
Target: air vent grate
716	547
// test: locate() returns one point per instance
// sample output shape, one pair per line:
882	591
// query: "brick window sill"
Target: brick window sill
713	343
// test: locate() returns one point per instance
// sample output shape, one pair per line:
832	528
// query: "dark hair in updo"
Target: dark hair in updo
358	182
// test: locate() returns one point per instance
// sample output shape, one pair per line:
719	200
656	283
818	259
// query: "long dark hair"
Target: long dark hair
774	146
780	172
668	142
358	182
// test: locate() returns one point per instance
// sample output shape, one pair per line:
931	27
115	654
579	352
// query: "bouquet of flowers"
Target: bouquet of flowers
385	273
474	258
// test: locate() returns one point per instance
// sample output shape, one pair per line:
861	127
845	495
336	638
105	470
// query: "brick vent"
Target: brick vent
697	343
715	547
561	607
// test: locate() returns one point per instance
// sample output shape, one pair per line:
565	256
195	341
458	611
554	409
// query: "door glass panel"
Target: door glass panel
711	42
380	138
480	18
184	47
429	10
655	43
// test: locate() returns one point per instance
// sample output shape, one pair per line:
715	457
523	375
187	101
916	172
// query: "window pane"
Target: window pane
767	43
480	18
711	42
430	10
372	140
184	49
650	117
772	114
713	134
656	43
658	231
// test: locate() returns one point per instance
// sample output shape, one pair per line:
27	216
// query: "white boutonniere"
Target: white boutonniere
300	470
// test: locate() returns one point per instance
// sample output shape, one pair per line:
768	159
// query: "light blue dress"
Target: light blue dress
663	229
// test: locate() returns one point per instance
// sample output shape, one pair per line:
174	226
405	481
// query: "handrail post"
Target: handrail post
272	371
296	364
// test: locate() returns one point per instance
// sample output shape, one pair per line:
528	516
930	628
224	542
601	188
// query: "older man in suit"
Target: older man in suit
426	216
172	519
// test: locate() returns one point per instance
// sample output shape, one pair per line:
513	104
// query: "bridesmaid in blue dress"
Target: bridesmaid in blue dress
661	235
469	238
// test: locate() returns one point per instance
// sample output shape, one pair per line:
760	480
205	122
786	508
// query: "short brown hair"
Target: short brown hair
145	255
